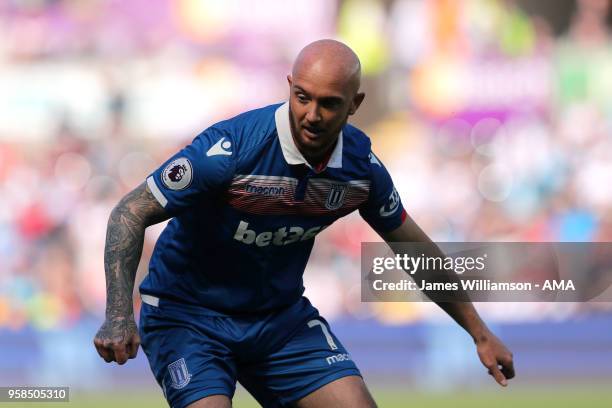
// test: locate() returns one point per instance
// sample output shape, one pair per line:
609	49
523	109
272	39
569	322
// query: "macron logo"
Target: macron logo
221	148
338	358
374	160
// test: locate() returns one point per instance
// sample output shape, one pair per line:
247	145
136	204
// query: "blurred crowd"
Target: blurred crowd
494	125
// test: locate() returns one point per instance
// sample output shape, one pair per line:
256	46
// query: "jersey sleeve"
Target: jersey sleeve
202	168
383	210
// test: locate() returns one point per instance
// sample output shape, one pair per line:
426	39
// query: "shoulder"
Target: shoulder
238	136
357	145
250	128
358	150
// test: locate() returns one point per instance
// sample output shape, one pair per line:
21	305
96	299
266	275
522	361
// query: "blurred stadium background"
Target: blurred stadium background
494	118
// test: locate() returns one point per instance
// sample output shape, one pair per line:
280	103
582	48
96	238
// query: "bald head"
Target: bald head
332	60
324	92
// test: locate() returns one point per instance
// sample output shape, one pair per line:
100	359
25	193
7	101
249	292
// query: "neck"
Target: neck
316	158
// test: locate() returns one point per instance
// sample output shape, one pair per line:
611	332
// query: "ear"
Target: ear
356	102
290	80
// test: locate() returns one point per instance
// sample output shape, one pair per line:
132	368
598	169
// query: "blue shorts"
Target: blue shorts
279	357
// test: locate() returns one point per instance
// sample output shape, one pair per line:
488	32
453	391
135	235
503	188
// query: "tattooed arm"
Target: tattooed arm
117	340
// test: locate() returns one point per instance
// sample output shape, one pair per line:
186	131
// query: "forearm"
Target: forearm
117	340
465	314
123	249
457	303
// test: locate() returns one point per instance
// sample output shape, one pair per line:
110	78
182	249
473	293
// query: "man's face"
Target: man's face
320	104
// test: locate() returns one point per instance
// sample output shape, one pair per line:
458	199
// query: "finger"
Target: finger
497	374
105	353
131	350
109	356
508	368
96	341
132	347
99	347
121	355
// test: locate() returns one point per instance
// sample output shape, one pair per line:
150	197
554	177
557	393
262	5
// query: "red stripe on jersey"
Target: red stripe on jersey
323	164
280	198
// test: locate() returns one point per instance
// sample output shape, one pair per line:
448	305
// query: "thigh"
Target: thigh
214	401
188	365
346	392
310	360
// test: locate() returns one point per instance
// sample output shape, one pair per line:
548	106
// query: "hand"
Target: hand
493	355
118	339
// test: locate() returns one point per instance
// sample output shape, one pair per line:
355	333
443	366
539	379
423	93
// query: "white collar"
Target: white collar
290	151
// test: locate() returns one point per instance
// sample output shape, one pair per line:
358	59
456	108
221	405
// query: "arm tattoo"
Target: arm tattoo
124	242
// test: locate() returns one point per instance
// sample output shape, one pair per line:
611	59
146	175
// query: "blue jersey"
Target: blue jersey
247	206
